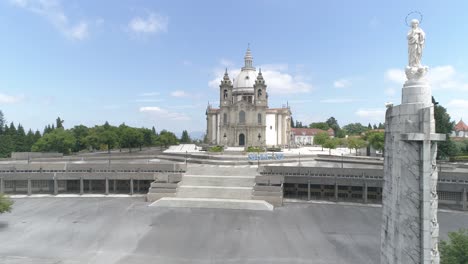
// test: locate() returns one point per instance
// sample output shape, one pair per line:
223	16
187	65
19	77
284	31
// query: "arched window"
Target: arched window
225	94
259	92
225	118
259	118
241	117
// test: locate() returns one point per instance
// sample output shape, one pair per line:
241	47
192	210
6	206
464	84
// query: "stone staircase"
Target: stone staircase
229	188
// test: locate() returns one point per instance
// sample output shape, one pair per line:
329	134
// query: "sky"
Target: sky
159	63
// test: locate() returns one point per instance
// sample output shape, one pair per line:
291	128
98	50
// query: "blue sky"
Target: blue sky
158	63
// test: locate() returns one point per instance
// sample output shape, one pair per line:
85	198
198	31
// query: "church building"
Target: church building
243	117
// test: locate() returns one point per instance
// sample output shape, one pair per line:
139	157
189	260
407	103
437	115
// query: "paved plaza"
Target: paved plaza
126	230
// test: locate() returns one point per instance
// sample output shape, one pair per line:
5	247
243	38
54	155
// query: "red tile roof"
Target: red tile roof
461	126
310	131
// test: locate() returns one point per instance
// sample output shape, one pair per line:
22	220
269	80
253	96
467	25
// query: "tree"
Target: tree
59	123
167	138
149	137
455	250
330	144
58	140
444	125
109	138
376	140
321	138
6	146
80	133
333	124
356	143
185	137
5	204
319	125
130	137
355	128
21	144
2	122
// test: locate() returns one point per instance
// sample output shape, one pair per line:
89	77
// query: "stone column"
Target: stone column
107	186
336	191
14	186
464	199
29	187
364	192
308	190
115	186
2	185
131	186
55	186
81	185
322	191
90	186
410	231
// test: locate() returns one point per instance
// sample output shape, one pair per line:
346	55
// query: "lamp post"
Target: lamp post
258	151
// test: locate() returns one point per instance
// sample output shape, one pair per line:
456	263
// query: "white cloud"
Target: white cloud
163	114
342	83
148	100
277	79
395	75
179	93
10	99
390	91
458	103
337	100
149	94
152	24
52	10
441	78
375	114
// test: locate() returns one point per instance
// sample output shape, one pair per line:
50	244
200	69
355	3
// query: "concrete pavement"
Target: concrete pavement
127	230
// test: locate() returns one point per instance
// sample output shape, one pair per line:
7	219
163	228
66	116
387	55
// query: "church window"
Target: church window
259	117
225	118
259	92
225	94
241	117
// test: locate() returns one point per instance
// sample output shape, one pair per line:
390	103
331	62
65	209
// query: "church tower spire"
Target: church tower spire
248	59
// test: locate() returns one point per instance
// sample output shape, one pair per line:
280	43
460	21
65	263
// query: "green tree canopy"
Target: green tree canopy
167	138
356	143
319	125
376	139
185	137
330	144
5	204
58	140
444	125
355	128
455	250
321	138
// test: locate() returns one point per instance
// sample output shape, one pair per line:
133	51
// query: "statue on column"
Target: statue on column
416	39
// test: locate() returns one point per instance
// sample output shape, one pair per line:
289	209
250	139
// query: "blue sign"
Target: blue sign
278	156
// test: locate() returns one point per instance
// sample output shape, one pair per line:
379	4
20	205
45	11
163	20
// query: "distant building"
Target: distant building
305	136
460	130
243	117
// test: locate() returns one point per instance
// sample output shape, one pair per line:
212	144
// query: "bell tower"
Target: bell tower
261	96
225	90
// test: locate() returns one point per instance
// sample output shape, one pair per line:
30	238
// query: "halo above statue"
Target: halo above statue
411	13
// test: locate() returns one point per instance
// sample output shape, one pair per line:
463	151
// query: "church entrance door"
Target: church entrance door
241	140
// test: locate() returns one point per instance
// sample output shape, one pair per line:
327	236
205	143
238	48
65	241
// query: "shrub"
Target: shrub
255	149
216	149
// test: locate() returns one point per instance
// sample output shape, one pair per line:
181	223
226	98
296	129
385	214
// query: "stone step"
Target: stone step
210	180
213	203
190	191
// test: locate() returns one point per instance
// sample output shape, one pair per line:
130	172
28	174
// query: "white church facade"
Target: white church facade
243	117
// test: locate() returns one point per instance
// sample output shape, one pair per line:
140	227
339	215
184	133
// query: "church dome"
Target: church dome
245	81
